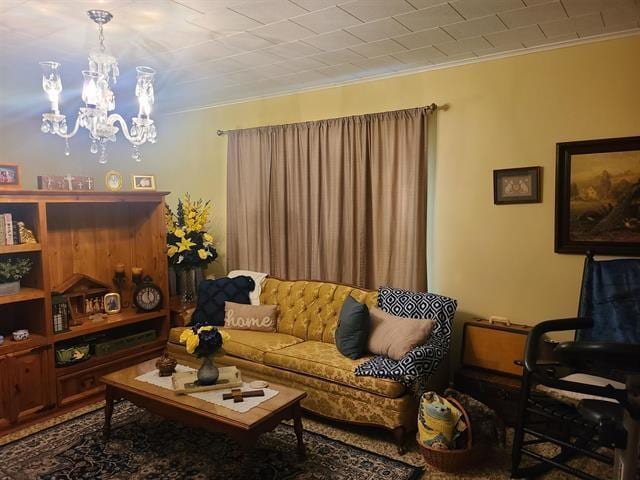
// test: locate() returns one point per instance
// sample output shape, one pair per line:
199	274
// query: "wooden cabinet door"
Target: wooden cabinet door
5	393
29	380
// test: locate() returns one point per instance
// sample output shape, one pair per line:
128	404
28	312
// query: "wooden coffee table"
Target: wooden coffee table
245	428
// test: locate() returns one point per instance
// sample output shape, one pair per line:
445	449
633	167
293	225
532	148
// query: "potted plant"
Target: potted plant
11	272
205	341
189	245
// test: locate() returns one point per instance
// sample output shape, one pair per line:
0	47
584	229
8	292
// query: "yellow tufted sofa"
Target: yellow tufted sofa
302	354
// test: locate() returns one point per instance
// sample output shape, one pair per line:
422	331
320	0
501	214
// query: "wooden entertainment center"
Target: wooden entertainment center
87	233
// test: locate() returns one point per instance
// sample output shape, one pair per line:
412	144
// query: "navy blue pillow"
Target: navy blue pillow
213	293
352	333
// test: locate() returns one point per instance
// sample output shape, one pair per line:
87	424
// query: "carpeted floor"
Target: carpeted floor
146	447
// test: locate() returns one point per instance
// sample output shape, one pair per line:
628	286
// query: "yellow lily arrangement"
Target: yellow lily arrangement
188	242
203	340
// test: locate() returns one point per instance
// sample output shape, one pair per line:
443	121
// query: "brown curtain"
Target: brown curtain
341	200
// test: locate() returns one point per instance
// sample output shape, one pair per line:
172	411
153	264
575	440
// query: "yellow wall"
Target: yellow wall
503	113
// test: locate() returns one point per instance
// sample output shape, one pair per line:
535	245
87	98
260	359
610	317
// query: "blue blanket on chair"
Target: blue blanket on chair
611	297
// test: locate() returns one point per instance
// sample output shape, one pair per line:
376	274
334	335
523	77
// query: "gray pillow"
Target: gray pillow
352	332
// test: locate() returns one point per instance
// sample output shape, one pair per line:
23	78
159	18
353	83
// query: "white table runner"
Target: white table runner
211	396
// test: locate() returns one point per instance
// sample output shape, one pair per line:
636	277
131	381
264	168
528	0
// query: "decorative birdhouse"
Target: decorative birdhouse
84	296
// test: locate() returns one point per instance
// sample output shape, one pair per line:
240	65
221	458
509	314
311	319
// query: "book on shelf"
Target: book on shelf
3	240
8	229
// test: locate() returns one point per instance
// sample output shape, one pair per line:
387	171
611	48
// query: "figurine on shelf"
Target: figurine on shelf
166	365
20	335
25	235
88	306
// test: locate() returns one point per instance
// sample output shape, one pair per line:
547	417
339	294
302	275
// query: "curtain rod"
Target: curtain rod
429	108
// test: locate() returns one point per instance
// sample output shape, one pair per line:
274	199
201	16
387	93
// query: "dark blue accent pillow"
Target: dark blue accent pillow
352	332
213	293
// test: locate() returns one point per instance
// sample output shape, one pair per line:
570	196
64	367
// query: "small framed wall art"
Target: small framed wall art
598	197
517	185
143	182
113	181
9	176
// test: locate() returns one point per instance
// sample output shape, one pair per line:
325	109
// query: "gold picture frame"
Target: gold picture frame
113	181
10	178
143	183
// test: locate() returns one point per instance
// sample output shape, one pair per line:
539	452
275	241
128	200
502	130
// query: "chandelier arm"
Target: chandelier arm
137	141
73	132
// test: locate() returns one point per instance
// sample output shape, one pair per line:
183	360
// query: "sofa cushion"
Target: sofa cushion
212	295
352	331
247	344
323	360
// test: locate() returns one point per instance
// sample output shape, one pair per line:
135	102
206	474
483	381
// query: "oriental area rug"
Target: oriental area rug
143	446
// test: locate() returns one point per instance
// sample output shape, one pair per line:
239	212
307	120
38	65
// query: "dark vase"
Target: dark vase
208	373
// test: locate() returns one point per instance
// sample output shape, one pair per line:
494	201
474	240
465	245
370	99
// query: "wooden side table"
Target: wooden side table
180	313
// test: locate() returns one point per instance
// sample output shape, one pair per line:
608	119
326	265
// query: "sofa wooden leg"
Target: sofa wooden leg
399	436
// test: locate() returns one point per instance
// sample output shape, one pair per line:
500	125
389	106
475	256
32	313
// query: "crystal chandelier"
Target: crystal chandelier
99	100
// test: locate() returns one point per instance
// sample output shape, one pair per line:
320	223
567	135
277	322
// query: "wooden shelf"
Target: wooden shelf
34	340
25	294
126	317
96	361
22	248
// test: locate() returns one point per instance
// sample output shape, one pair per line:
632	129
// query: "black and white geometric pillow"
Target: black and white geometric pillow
415	368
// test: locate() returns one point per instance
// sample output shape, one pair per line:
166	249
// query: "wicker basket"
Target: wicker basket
454	460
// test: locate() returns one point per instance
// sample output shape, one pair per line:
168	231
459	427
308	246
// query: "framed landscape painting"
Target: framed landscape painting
598	197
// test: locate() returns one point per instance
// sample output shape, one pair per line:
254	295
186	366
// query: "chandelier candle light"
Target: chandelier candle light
99	100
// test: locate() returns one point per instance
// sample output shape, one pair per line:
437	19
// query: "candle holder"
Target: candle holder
120	282
136	275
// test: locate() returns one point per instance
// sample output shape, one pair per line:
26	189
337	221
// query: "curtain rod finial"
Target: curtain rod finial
220	132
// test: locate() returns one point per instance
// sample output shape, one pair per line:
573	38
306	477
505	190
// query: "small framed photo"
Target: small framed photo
9	176
143	182
111	302
113	181
517	185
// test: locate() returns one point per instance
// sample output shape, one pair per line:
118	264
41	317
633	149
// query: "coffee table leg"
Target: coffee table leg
108	412
297	427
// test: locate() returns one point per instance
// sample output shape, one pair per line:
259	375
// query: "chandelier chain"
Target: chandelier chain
101	37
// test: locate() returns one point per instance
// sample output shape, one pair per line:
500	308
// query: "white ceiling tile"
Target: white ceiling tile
421	55
337	57
426	3
460	56
545	12
245	41
582	7
275	69
254	59
423	38
205	6
306	63
333	40
551	40
429	17
380	65
506	47
189	55
583	25
368	10
475	8
372	31
269	11
312	5
516	36
618	16
375	49
475	27
344	71
462	46
327	20
225	21
293	50
535	2
285	31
